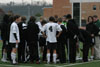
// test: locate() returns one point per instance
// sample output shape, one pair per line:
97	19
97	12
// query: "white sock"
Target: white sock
92	57
48	57
13	57
4	55
54	58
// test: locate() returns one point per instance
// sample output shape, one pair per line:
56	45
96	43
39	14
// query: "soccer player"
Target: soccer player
4	36
21	48
51	28
61	42
14	38
32	39
93	30
73	32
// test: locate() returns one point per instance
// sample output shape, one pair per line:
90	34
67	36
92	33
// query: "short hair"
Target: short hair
43	22
23	18
59	20
16	17
52	19
68	16
95	16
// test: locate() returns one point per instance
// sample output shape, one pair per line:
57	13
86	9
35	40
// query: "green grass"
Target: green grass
94	63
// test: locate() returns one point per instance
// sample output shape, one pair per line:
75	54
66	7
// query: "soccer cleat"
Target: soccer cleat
4	60
14	62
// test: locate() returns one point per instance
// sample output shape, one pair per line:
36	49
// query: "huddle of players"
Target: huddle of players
52	37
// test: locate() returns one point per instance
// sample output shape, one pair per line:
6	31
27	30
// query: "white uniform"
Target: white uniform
51	29
14	29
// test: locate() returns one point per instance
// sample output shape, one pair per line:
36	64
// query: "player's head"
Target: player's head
6	18
90	19
52	19
32	19
23	19
43	22
95	18
17	18
41	18
64	18
68	16
59	21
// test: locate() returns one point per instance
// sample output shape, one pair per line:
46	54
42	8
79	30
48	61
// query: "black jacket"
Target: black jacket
85	36
4	31
92	28
22	30
72	29
32	31
62	37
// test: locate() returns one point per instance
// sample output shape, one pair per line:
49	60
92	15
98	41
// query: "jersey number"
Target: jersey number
50	28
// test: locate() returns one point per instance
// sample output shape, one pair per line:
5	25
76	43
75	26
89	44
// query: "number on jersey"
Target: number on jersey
50	28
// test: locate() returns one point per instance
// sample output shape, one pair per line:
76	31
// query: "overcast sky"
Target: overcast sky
19	1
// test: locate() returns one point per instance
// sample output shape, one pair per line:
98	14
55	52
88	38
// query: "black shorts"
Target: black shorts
13	45
42	41
52	46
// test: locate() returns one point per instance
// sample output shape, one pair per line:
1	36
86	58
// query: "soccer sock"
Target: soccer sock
54	57
48	57
4	55
13	56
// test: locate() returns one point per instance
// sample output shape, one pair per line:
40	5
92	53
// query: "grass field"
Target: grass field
95	63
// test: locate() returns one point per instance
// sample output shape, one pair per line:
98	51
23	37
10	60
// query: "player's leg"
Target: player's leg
4	52
54	52
13	53
48	52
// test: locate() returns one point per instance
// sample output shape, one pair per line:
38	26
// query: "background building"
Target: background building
80	9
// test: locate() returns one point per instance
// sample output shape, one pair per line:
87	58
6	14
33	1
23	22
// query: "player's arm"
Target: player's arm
15	35
59	33
59	29
42	31
44	35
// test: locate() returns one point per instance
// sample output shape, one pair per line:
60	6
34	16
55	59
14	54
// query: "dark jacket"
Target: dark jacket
4	31
22	30
32	31
92	28
72	29
62	37
85	36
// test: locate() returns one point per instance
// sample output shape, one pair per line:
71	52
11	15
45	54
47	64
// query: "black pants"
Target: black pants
21	51
85	51
72	50
61	52
33	50
44	53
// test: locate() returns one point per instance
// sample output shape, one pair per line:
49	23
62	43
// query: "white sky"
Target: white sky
19	1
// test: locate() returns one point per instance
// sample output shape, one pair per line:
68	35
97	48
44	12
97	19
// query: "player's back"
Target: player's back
51	31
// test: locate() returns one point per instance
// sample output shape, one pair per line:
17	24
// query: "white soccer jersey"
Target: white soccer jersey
14	29
51	29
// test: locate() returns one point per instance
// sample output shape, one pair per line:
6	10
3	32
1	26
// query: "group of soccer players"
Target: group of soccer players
46	40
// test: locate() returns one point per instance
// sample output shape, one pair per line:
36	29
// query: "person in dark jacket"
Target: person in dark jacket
4	36
32	39
85	37
93	30
61	43
73	31
21	48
